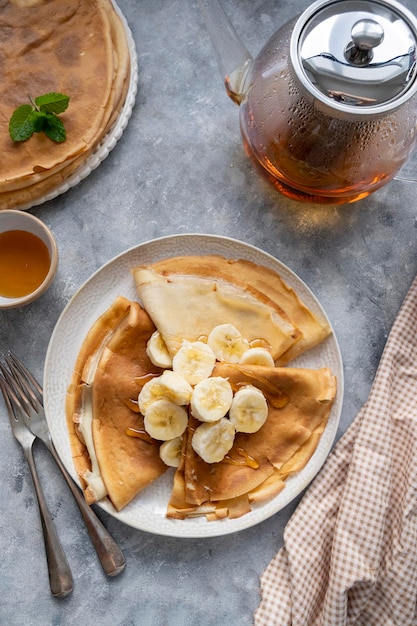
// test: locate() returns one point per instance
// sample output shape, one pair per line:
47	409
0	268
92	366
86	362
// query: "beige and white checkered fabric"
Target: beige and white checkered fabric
350	549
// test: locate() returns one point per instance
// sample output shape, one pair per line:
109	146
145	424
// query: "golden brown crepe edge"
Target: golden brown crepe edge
95	339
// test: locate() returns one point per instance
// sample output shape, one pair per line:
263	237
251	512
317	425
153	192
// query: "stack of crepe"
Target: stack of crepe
77	48
185	297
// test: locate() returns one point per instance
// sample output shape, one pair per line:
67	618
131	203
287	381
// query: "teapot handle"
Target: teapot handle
233	59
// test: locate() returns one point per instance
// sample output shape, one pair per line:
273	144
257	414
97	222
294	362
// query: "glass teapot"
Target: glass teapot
328	108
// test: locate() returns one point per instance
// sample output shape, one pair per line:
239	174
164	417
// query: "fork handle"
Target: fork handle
60	576
109	553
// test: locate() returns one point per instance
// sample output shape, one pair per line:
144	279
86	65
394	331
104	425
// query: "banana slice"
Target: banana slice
212	441
211	399
194	361
157	351
150	392
165	420
175	387
257	356
170	452
249	409
227	343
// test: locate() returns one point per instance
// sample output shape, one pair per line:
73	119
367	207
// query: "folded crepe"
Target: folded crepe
113	455
299	405
187	306
78	48
251	279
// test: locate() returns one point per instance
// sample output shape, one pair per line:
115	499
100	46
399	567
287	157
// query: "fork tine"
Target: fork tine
24	384
14	391
14	401
14	405
14	362
6	391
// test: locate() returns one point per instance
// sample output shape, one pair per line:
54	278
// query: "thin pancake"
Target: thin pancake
128	464
121	62
82	374
11	199
264	280
184	306
113	361
258	463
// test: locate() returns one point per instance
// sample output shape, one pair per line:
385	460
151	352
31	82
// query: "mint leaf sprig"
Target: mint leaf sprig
40	116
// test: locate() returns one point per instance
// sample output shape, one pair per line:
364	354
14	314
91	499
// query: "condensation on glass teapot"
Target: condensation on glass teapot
328	108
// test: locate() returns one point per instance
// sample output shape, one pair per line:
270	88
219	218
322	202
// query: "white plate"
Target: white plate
147	510
108	142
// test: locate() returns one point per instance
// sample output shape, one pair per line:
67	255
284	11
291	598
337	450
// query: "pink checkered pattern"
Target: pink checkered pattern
350	549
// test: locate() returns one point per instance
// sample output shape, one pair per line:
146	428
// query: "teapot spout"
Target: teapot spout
233	59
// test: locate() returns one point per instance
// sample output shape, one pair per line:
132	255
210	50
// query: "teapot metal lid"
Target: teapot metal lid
357	57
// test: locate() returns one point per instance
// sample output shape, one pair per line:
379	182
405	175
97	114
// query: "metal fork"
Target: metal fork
31	402
60	577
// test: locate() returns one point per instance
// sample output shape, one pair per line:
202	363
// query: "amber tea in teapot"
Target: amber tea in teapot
328	110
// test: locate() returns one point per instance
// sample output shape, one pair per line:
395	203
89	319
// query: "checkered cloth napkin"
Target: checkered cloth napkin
350	549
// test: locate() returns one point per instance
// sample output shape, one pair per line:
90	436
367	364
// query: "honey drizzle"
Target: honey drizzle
133	405
260	343
146	377
246	459
277	398
139	433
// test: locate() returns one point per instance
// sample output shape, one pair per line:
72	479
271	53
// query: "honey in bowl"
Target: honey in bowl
24	263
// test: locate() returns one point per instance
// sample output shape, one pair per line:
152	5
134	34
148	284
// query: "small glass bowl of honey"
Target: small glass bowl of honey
28	258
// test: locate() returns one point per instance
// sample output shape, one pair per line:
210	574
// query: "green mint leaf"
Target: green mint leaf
22	124
39	120
52	102
54	128
40	116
